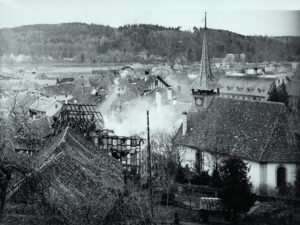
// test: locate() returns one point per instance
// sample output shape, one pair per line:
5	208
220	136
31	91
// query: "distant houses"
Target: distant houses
293	88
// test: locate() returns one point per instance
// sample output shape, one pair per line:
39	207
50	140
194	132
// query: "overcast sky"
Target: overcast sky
248	17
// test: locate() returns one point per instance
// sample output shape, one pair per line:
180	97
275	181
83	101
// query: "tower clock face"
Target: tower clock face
199	101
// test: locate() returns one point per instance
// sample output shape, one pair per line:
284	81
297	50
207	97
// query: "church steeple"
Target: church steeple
205	83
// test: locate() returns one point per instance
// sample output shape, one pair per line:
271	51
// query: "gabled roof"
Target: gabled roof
66	88
79	177
152	79
258	131
48	105
51	90
88	99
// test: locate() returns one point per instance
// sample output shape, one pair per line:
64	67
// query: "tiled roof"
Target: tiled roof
41	127
32	131
79	177
88	99
23	104
66	88
66	80
51	90
259	131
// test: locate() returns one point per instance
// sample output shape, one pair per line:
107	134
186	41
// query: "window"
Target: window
199	161
281	177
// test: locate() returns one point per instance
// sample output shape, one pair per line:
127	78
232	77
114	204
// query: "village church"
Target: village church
262	134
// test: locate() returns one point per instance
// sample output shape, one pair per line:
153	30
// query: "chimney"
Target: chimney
82	89
178	88
169	94
184	123
255	70
66	99
146	75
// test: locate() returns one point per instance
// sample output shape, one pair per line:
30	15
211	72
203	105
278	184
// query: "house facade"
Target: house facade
245	87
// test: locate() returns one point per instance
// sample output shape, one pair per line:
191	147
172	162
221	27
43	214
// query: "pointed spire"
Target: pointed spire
205	21
205	81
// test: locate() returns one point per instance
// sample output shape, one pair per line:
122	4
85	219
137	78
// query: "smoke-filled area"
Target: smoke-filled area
131	118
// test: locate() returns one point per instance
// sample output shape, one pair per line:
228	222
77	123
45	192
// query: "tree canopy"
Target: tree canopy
236	192
278	94
97	43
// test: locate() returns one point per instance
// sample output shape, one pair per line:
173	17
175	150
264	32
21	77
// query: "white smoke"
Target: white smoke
132	118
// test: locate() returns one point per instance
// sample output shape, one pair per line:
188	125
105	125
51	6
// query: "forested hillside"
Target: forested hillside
97	43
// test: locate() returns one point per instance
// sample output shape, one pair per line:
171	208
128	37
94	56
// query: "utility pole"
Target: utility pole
149	164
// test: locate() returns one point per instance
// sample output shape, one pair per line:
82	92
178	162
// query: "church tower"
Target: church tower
203	88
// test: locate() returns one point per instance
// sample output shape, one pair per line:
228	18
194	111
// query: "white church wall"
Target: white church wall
188	157
291	169
208	162
254	174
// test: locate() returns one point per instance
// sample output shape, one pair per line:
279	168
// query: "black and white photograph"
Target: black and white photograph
149	112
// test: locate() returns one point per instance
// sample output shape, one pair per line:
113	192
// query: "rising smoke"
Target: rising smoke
131	119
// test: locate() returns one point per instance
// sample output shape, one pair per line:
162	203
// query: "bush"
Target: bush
202	178
180	176
236	193
216	179
165	200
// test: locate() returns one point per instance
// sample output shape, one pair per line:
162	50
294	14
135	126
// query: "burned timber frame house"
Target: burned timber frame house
87	121
81	117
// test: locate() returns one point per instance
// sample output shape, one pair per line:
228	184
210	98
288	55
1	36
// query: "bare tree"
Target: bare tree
133	207
165	161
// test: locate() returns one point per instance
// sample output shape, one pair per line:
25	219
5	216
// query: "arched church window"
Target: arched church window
281	177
